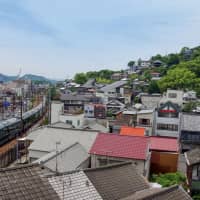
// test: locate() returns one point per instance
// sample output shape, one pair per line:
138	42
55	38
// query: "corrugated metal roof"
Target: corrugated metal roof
48	136
68	159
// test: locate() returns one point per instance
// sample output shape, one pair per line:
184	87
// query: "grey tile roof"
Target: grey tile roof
193	156
48	136
112	86
68	159
74	186
190	122
25	183
116	181
89	84
74	97
173	192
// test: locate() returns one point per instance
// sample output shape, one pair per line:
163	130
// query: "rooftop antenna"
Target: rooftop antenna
19	73
57	143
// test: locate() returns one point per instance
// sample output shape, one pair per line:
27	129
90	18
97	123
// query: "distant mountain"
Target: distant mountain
5	78
37	78
34	78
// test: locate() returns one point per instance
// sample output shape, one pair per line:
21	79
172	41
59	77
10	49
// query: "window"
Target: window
78	122
68	122
169	127
172	95
144	121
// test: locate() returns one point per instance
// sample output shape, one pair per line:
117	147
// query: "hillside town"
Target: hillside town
100	140
99	100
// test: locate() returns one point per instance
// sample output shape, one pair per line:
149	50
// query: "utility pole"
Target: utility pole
57	143
49	106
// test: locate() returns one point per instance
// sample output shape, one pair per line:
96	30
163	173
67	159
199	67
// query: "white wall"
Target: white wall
56	110
77	120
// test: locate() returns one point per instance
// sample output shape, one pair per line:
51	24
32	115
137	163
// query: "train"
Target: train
14	127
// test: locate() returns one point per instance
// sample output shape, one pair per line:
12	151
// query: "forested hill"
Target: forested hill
178	71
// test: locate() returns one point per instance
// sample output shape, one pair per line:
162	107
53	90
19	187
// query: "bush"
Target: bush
169	179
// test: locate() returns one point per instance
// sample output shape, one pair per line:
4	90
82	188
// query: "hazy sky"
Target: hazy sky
58	38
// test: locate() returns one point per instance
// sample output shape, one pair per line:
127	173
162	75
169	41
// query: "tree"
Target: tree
131	63
80	78
179	78
173	59
153	87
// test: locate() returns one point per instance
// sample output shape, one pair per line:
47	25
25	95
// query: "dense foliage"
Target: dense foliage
169	179
102	76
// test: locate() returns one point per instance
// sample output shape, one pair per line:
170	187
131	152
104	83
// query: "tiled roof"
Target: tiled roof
164	144
193	156
116	181
25	183
74	186
132	131
112	86
173	192
190	122
120	146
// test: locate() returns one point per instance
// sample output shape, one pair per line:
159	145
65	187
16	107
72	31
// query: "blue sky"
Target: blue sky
58	38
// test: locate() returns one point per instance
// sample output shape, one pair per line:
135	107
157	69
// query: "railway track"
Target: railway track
6	147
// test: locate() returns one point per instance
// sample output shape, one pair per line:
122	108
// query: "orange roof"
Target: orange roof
132	131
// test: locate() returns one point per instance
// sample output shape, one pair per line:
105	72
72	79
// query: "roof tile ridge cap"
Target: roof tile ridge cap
165	190
132	136
73	129
19	167
108	166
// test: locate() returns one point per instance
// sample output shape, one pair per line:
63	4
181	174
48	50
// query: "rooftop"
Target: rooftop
132	131
193	156
113	145
116	181
25	182
173	192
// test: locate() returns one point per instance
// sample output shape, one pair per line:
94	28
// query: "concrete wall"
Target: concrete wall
34	155
76	120
142	166
56	110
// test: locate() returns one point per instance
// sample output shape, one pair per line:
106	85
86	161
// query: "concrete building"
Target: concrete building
167	120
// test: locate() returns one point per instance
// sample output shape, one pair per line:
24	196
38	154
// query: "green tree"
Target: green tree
173	59
131	63
80	78
179	78
153	87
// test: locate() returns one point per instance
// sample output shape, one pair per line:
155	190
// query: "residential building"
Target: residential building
193	169
74	103
95	111
150	101
167	120
113	148
114	106
175	96
45	140
190	131
26	182
115	89
66	159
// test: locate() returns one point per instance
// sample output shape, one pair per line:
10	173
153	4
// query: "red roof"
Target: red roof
164	144
114	145
132	131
